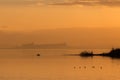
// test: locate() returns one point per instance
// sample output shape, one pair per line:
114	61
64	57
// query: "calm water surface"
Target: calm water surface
53	65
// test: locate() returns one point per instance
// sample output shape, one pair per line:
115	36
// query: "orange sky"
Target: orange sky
96	25
39	17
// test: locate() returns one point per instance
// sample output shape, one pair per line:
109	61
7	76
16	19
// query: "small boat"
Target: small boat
38	54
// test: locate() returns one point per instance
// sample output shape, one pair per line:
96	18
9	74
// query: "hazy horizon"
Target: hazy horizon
87	24
79	37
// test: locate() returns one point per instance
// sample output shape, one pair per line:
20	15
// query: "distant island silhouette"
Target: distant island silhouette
114	53
42	46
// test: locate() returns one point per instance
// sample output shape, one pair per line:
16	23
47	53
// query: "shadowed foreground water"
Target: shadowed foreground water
52	65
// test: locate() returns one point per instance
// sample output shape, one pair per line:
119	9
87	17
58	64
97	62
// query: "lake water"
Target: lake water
23	64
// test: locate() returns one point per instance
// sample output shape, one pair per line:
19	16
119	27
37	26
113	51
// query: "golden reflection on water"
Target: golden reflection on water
59	68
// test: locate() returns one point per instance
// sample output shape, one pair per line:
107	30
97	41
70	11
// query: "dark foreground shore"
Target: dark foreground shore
114	53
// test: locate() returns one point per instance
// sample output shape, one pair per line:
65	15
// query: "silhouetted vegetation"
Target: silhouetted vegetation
114	53
85	53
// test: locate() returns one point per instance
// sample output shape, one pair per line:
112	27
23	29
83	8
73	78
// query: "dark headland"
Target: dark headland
114	53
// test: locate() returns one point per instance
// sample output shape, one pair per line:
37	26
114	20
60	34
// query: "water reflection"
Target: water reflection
57	67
